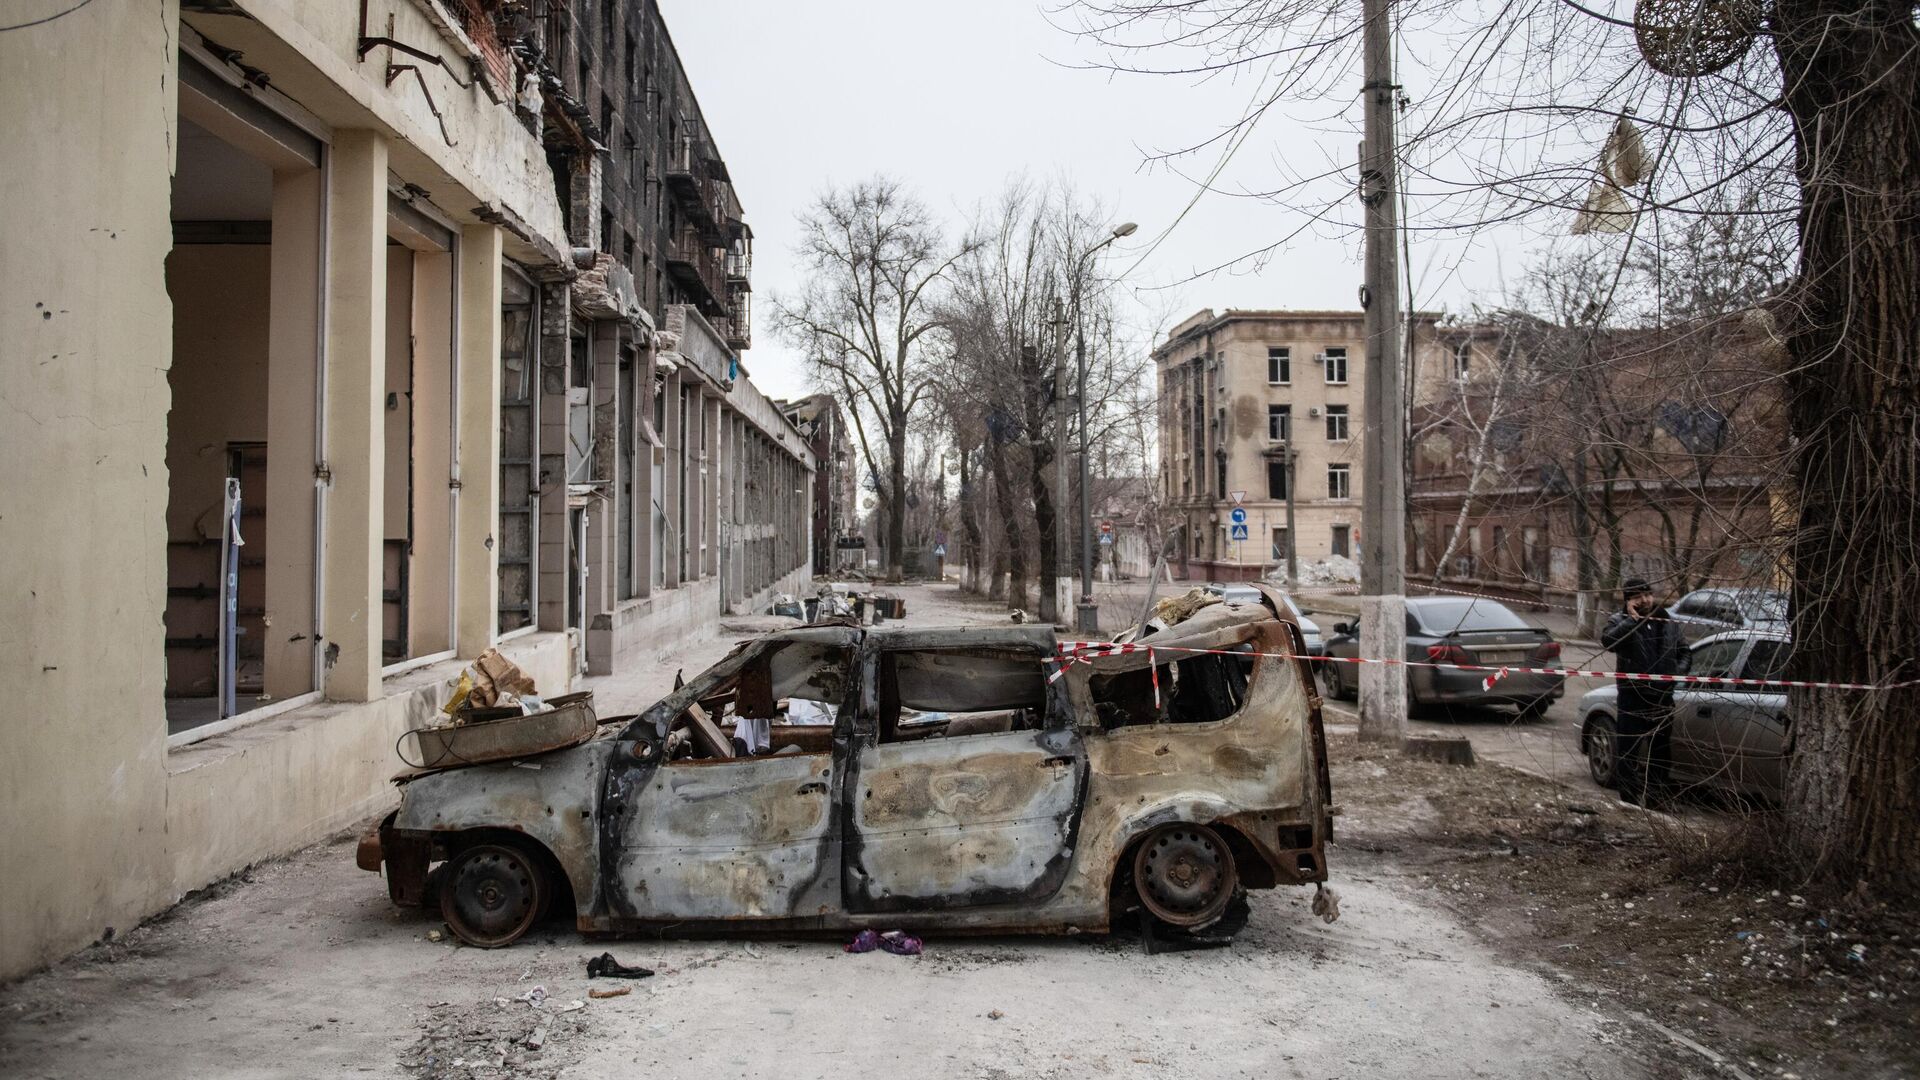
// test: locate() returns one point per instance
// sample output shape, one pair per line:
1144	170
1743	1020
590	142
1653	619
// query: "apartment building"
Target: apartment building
331	369
835	489
1255	406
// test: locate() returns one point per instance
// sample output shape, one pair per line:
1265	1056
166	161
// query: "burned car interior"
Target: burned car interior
972	778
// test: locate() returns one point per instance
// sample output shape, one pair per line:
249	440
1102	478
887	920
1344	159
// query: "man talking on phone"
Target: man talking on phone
1644	642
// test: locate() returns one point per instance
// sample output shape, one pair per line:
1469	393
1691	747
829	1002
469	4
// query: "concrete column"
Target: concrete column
293	344
603	522
476	555
675	471
430	581
356	439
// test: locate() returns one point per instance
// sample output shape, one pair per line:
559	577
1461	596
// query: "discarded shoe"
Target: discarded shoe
864	941
899	943
605	966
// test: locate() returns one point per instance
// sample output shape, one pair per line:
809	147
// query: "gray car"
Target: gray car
1711	611
1453	630
1734	739
1247	594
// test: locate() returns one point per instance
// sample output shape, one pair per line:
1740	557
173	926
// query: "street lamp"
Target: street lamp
1087	615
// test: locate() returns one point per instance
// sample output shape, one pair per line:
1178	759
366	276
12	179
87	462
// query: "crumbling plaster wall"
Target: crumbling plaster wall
86	327
486	157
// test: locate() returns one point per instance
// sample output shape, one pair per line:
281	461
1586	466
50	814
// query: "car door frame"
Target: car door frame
1693	741
636	770
1754	710
1059	744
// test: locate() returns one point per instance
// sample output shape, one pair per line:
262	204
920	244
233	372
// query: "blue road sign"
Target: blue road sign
1239	532
1238	515
940	551
1106	538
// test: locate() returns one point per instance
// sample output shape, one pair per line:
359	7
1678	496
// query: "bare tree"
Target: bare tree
873	257
1811	101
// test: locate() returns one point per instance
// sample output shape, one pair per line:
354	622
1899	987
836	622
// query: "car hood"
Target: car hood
1599	695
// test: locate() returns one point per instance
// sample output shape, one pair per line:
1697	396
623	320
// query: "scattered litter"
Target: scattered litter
605	966
535	997
1858	952
618	991
995	1014
538	1039
864	941
899	943
436	936
1019	616
750	950
572	1006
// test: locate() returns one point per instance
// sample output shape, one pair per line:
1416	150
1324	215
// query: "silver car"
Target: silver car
1730	738
1712	611
1247	594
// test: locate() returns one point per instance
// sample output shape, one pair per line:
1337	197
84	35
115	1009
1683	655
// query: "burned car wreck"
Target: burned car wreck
964	779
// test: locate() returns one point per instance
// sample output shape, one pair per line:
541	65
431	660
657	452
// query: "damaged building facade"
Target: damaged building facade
342	350
1261	402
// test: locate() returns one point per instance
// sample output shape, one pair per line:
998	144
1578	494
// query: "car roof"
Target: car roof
1745	634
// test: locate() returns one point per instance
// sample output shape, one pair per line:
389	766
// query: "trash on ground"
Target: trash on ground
618	991
897	942
535	997
605	966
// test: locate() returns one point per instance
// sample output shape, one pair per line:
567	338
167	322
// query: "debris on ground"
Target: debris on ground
1019	616
897	942
1331	570
618	991
1677	917
494	1038
605	966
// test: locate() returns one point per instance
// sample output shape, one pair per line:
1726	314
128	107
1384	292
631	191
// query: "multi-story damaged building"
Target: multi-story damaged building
1252	403
820	421
350	341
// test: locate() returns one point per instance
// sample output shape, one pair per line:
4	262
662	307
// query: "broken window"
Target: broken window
781	697
519	448
245	279
949	693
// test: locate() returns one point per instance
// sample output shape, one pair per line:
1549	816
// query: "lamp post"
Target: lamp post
1087	615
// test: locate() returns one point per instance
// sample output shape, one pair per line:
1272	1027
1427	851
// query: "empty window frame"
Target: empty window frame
1462	359
519	448
1337	423
1277	480
1336	365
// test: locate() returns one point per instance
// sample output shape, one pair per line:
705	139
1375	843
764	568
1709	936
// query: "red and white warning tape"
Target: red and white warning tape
1073	652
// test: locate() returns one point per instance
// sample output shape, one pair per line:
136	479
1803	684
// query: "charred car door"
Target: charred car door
696	829
968	772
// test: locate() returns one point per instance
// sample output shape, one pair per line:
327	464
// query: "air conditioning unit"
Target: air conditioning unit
1319	358
1315	411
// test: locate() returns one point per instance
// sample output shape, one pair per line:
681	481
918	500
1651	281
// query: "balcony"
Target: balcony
699	266
737	327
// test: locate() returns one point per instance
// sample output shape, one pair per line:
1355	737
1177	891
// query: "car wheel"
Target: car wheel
493	894
1599	744
1184	876
1536	710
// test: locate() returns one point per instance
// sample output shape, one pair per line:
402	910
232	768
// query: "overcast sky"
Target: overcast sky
956	97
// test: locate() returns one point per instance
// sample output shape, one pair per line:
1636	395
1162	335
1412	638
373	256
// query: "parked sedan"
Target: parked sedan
1731	738
1453	630
1248	594
948	779
1711	611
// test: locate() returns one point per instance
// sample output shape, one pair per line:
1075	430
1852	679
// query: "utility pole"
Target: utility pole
1383	629
1293	547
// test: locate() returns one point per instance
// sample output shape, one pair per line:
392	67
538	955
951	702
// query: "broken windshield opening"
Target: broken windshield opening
781	699
941	693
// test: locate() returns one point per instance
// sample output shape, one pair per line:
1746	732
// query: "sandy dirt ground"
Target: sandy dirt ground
301	968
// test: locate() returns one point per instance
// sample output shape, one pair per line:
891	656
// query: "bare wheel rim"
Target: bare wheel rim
1184	874
492	895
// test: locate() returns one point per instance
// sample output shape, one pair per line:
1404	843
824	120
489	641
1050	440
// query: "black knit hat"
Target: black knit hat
1633	587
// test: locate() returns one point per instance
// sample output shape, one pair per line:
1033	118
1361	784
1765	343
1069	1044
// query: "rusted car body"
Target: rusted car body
970	779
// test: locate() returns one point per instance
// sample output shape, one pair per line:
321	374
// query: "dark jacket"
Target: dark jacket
1647	647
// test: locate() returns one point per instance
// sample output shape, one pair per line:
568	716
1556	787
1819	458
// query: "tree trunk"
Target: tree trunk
897	505
1854	406
969	524
1016	545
